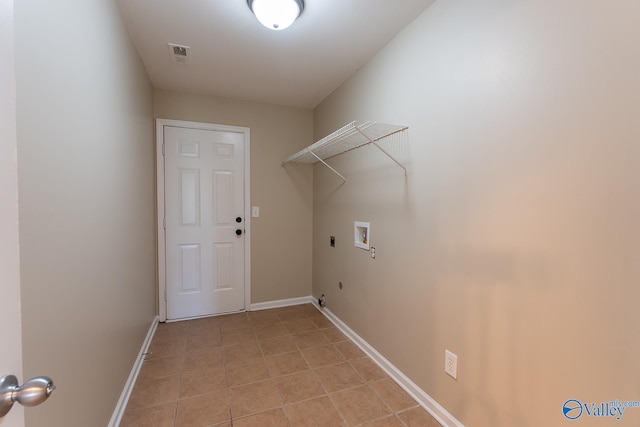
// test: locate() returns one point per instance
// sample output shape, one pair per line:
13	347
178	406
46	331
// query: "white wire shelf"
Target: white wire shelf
345	139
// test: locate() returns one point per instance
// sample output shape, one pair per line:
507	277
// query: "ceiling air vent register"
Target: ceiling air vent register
180	54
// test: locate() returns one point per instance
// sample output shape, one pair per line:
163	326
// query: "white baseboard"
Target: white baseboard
281	303
118	412
426	401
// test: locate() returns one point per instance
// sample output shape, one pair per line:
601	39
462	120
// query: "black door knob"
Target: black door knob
238	219
238	232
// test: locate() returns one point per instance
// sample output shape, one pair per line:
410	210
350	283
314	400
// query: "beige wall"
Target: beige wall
86	189
513	240
281	236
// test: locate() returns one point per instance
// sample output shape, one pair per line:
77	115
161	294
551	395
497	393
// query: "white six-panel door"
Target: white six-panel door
205	222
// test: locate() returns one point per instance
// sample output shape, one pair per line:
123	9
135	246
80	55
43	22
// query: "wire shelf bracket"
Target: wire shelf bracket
345	139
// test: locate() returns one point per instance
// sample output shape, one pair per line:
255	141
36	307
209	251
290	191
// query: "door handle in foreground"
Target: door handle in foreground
32	393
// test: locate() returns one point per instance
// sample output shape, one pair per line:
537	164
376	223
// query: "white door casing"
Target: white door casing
11	330
203	188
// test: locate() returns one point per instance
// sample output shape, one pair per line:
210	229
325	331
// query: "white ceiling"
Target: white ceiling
234	56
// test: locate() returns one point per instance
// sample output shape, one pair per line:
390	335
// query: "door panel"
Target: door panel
190	197
204	194
223	264
189	268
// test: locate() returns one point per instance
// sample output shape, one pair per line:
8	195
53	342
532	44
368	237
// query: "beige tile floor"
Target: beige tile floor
280	367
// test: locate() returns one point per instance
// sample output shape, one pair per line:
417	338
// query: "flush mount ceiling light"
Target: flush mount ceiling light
276	14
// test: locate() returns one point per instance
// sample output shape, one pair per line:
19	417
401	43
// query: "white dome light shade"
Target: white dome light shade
276	14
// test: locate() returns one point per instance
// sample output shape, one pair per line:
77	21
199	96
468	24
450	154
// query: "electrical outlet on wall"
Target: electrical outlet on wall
451	364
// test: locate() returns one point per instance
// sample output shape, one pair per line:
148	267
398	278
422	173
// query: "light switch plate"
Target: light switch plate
255	212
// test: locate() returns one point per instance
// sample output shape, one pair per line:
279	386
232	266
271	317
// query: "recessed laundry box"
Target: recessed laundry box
361	234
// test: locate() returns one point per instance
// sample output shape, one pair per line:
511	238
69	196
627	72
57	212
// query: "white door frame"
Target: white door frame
160	176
